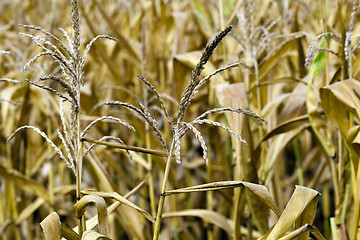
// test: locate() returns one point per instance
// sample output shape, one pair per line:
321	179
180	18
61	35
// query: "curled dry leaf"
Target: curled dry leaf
92	235
81	205
121	199
52	227
300	210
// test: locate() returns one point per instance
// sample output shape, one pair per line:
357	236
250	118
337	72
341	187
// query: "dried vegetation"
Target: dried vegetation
182	120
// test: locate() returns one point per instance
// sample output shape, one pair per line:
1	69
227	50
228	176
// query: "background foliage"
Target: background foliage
299	70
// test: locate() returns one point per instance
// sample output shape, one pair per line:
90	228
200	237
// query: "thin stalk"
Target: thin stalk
253	218
345	203
334	230
79	165
2	208
10	192
334	180
341	158
51	170
326	198
209	198
151	183
356	210
298	160
209	194
249	226
162	61
162	196
147	126
222	26
238	199
259	107
238	176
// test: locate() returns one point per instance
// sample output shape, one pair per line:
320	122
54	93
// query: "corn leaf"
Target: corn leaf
81	205
52	227
92	235
300	208
260	191
121	199
298	122
24	182
207	215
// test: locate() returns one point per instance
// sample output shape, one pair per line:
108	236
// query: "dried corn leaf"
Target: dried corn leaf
260	191
276	55
5	106
81	205
234	95
300	232
132	221
277	146
121	199
92	235
204	18
24	182
92	222
272	106
298	122
212	217
336	97
300	208
353	140
52	227
316	120
208	215
68	233
356	65
30	209
130	49
191	59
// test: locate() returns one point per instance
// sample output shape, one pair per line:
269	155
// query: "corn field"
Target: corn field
179	119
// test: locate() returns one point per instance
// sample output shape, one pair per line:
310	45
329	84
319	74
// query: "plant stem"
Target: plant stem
79	164
162	196
298	160
259	107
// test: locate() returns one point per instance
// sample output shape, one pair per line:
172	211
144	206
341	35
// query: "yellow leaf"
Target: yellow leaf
92	235
301	208
121	199
24	182
260	191
81	205
52	227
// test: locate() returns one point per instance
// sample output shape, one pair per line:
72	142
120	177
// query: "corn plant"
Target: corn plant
115	123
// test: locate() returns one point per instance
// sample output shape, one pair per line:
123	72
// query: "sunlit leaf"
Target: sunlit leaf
52	227
121	199
92	235
80	208
300	209
299	122
260	191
